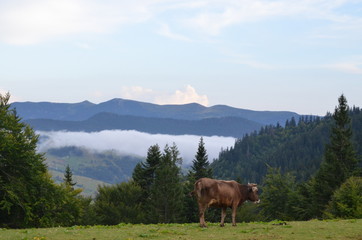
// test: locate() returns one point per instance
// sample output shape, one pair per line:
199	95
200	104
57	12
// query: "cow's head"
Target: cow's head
253	193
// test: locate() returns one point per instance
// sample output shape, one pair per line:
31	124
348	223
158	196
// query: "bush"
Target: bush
347	200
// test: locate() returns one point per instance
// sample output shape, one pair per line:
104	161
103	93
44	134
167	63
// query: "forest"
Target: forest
308	169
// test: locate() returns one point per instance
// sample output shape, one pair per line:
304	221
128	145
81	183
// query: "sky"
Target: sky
277	55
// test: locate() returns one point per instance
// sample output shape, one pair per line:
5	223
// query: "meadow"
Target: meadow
314	229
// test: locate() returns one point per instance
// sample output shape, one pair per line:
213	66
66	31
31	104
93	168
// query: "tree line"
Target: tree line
159	192
310	169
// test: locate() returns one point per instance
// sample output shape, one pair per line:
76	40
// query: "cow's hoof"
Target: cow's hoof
222	225
203	226
234	225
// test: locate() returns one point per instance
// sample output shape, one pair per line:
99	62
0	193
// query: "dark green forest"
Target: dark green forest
310	168
297	148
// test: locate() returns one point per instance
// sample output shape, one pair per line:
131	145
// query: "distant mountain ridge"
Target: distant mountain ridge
226	126
124	114
193	111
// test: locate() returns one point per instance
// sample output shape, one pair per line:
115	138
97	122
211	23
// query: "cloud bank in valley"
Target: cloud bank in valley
133	142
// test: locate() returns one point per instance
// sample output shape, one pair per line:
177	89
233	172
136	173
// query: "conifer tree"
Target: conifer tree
68	177
200	168
200	165
144	172
166	198
340	161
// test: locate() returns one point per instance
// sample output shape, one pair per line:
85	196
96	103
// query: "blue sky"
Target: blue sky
295	55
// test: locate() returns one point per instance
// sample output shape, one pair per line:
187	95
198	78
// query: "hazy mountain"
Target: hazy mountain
225	126
85	110
120	114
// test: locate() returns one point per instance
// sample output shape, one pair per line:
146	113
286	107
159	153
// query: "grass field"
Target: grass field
334	229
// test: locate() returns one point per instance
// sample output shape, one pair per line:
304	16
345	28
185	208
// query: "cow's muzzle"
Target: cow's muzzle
256	202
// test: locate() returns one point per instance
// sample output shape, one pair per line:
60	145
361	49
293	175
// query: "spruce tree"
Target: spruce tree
200	165
144	172
200	168
166	198
68	177
340	161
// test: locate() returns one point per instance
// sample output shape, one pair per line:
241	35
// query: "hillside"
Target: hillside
85	110
225	126
90	168
297	148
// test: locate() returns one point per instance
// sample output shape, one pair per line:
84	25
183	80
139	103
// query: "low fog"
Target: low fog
133	142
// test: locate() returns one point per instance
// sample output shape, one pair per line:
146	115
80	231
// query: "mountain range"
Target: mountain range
125	114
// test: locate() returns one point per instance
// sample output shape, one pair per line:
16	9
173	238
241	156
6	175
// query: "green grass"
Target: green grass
334	229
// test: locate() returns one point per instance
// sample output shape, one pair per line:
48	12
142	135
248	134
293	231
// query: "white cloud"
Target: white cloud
83	45
347	67
166	32
221	14
189	95
134	142
29	22
136	92
25	22
247	60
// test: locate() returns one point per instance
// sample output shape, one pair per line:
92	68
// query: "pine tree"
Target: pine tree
200	165
340	161
68	177
166	199
144	172
200	168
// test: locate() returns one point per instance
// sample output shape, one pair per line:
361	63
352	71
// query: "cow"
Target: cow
222	194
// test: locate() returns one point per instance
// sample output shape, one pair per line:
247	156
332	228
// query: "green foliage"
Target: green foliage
107	166
68	177
144	172
23	174
28	196
278	195
340	161
159	178
166	198
200	168
347	200
200	165
297	148
119	203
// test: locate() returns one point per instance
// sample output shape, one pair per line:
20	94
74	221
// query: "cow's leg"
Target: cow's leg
202	209
223	214
233	215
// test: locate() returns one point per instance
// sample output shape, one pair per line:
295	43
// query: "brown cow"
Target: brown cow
222	194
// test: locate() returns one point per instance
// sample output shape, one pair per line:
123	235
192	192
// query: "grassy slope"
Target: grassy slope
335	229
88	185
90	168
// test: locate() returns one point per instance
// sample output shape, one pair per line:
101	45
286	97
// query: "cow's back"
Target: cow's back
217	192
